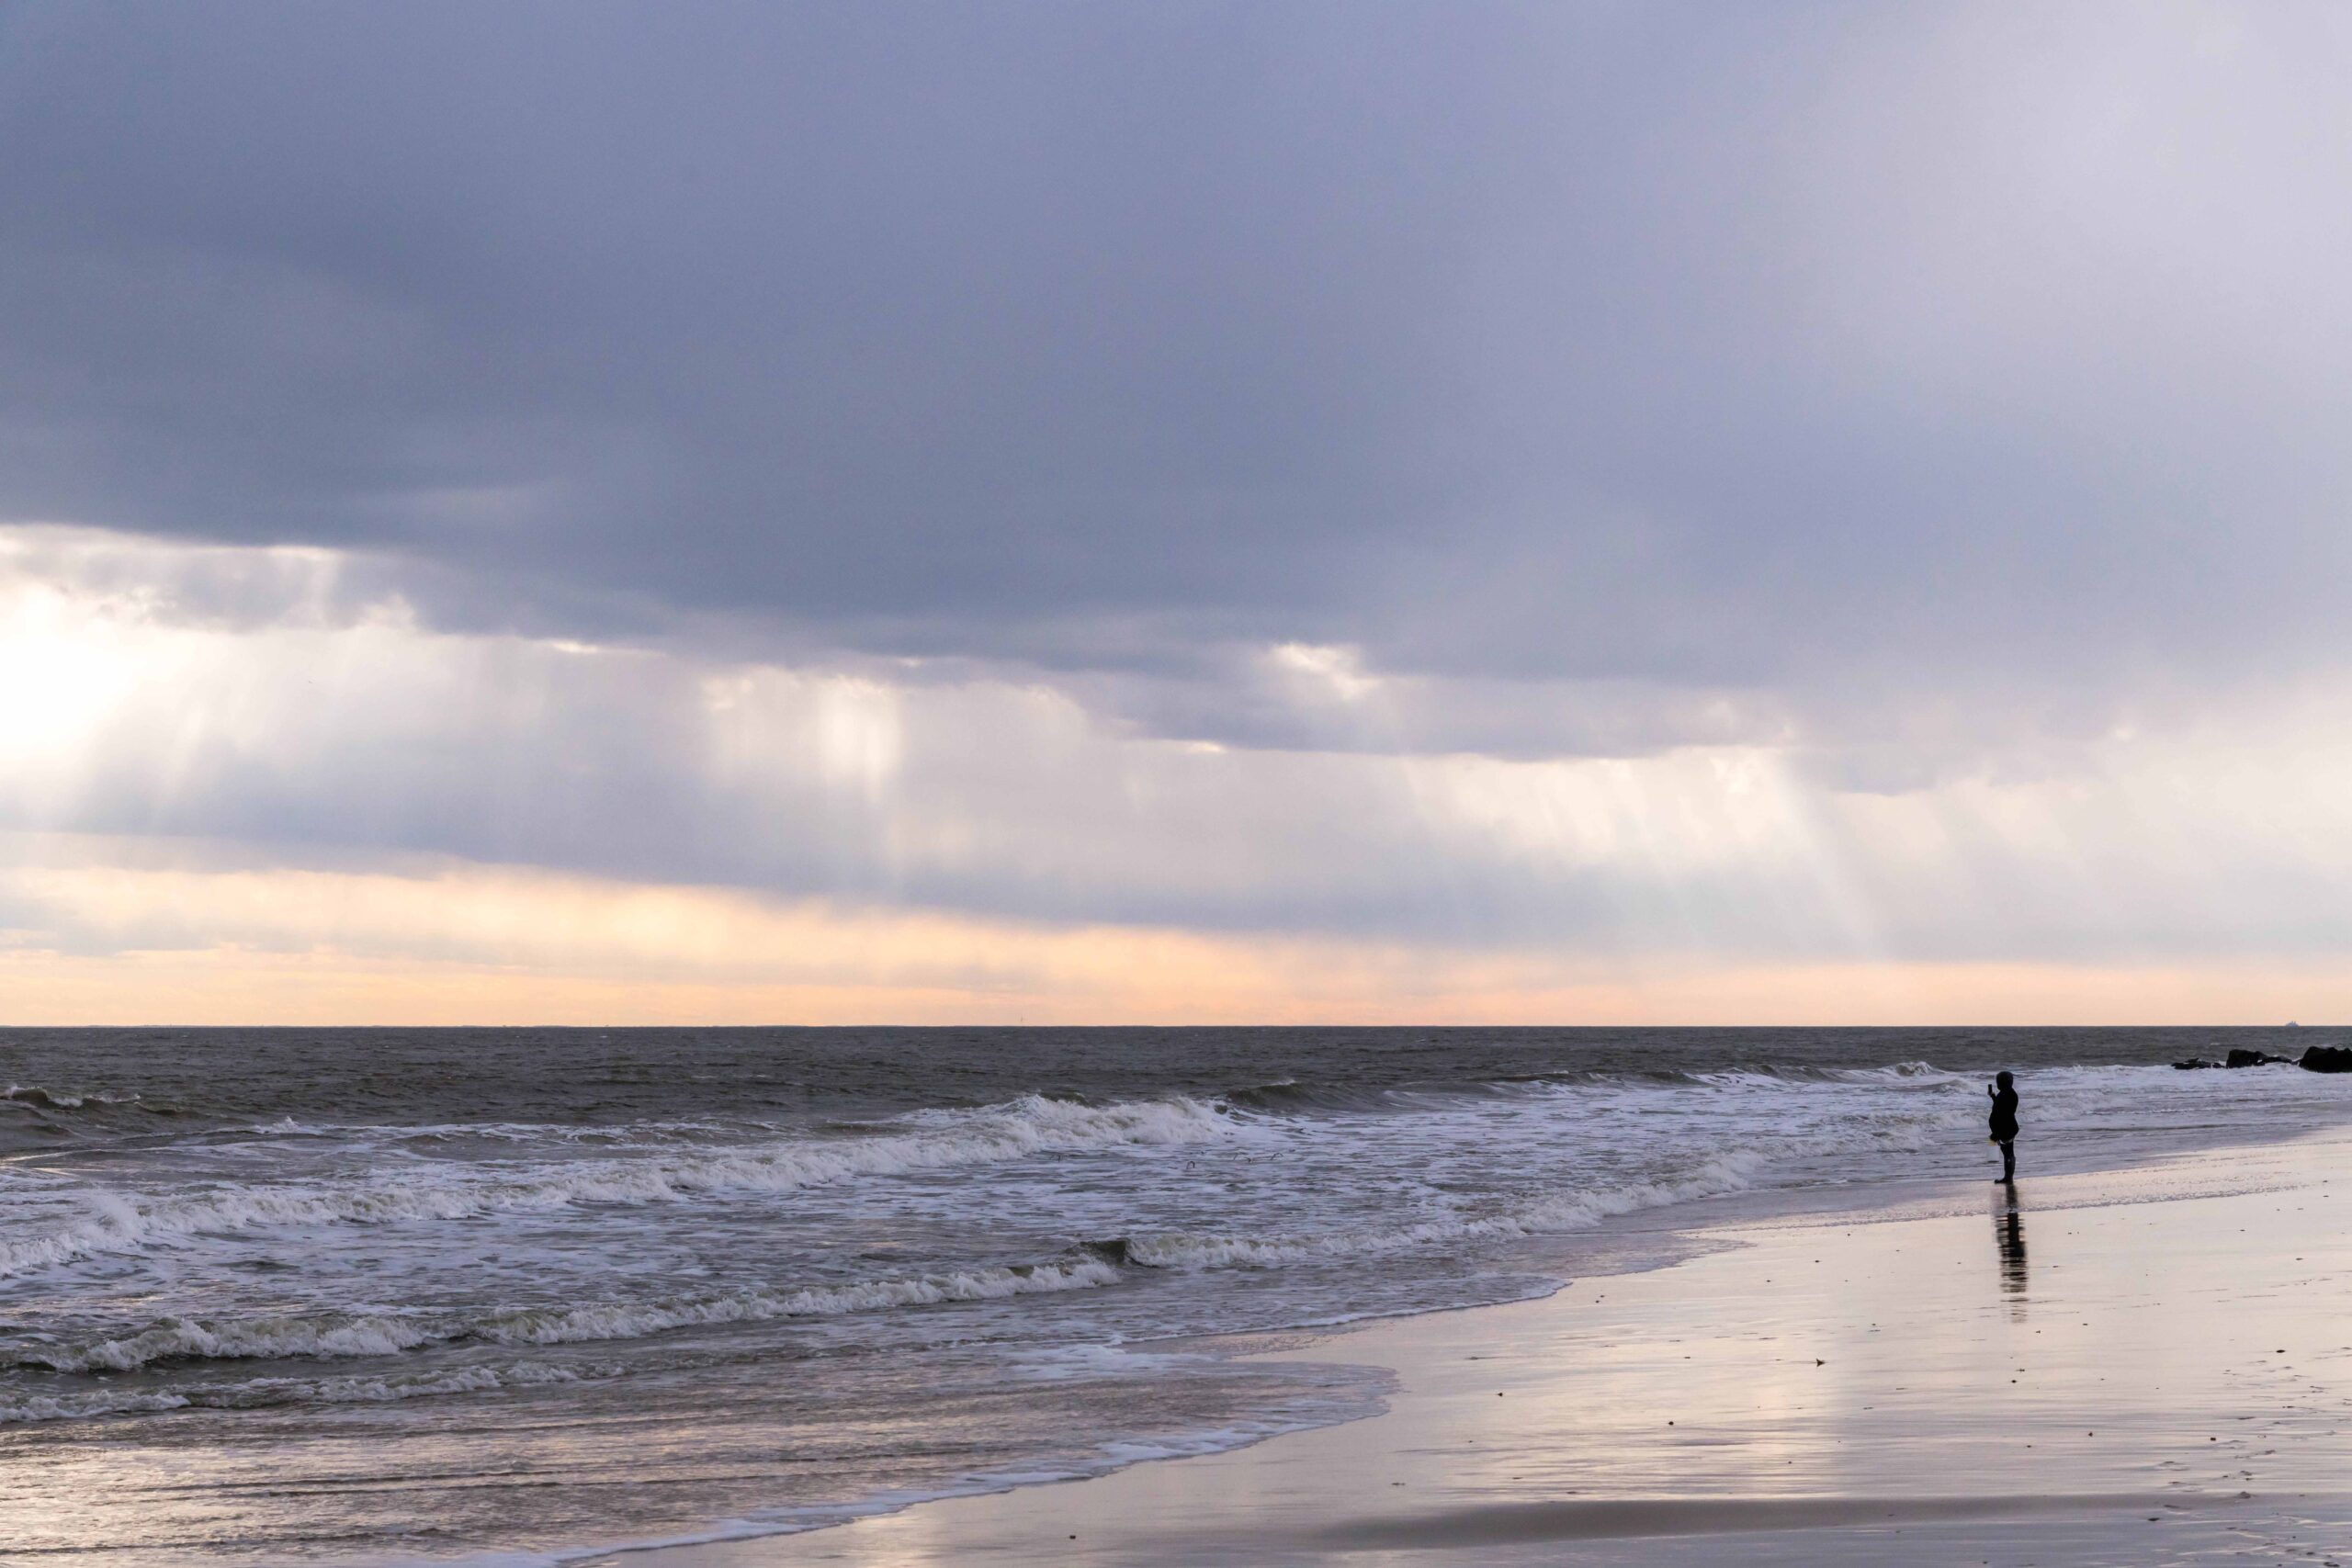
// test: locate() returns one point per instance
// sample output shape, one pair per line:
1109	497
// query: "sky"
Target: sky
1082	512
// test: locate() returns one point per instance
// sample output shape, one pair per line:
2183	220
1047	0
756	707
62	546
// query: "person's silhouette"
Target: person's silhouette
2003	1122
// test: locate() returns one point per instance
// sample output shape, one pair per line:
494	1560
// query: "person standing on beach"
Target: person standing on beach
2004	1122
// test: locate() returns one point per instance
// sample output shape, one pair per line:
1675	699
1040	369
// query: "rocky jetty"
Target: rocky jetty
2316	1059
2244	1058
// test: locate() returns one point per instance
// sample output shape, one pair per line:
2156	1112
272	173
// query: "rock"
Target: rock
2328	1059
2245	1058
2196	1062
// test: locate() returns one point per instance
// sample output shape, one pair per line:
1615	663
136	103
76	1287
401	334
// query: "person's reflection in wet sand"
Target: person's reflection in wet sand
2009	1235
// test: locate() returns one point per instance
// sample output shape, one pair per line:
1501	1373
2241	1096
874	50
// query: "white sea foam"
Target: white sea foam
262	1338
625	1322
421	1190
1548	1215
61	1100
83	1406
338	1336
255	1393
1095	1359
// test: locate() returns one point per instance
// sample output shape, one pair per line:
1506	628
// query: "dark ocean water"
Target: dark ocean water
588	1076
381	1295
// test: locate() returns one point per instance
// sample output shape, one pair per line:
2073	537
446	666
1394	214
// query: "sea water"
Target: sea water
375	1296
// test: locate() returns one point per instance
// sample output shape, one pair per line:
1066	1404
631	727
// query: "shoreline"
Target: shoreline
1420	1478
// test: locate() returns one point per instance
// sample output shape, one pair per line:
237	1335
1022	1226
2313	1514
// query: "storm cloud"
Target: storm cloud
1697	344
1192	440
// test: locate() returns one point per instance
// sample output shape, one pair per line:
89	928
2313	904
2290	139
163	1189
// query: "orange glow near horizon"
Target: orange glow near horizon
471	944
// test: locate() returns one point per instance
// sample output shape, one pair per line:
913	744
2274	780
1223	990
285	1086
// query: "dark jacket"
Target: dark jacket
2004	1119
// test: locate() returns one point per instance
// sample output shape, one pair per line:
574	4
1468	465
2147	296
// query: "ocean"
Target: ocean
380	1296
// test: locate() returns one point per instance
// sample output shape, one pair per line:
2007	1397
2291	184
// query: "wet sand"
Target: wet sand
2145	1367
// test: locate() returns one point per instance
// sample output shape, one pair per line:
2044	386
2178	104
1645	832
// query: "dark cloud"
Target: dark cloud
1803	358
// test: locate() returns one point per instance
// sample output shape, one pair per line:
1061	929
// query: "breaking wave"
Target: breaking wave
1029	1126
358	1335
336	1335
1543	1217
256	1393
59	1100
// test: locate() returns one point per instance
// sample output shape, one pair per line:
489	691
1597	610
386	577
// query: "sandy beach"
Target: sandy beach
2144	1366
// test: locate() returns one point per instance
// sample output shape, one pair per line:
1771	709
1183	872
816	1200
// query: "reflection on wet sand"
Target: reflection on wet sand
2008	1236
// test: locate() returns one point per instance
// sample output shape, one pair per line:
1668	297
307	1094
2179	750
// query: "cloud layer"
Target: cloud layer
1821	485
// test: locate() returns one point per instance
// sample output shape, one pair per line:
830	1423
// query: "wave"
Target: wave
1101	1263
1554	1215
256	1393
1282	1096
59	1100
338	1336
334	1336
567	1325
1288	1096
265	1339
1026	1127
